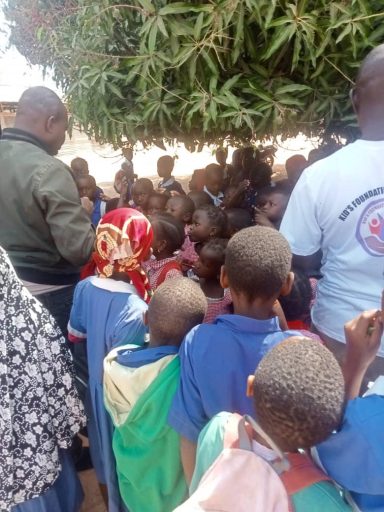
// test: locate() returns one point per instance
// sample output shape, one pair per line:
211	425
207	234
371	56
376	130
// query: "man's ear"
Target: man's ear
145	318
49	123
287	286
250	382
224	283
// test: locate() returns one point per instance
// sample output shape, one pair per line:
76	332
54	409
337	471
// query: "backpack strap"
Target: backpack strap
301	474
171	265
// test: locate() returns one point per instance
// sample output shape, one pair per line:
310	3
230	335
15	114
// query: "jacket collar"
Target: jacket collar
23	136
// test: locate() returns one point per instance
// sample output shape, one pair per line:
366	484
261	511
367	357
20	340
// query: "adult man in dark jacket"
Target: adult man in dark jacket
44	228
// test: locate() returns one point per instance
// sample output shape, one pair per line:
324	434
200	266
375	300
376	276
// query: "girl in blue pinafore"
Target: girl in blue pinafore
108	311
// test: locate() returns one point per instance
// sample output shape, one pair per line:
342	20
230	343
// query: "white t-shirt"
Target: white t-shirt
338	206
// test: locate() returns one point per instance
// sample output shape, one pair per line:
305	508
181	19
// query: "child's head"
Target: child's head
214	179
208	222
221	156
181	207
79	167
176	307
168	235
273	202
141	191
211	259
298	392
165	166
258	264
197	181
294	166
200	198
238	219
156	203
296	305
86	185
260	175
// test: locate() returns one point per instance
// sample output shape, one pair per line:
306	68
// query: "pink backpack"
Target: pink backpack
241	481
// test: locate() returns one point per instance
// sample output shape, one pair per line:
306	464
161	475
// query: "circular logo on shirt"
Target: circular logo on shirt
370	228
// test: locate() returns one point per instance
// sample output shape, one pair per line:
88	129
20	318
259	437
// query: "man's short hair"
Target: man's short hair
258	261
299	393
176	307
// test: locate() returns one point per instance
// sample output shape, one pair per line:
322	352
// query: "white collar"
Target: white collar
167	183
111	285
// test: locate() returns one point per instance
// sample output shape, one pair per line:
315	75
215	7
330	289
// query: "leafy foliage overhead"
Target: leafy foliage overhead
201	71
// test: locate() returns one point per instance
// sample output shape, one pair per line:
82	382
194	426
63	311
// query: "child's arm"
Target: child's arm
363	337
188	457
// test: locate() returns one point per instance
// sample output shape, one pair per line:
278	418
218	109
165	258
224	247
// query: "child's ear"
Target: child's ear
250	382
287	286
224	283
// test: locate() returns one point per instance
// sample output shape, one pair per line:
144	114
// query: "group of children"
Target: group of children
186	296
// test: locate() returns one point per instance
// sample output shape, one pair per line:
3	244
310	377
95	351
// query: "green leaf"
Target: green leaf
198	26
292	88
113	88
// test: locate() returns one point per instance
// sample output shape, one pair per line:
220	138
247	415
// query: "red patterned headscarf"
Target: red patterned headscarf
123	241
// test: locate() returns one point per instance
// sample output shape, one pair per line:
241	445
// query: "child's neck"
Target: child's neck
260	309
211	287
163	255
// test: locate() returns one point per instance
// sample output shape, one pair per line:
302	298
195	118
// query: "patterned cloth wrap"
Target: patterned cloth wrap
40	410
123	242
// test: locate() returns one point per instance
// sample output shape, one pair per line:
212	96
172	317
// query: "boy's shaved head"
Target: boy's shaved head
176	307
258	262
298	391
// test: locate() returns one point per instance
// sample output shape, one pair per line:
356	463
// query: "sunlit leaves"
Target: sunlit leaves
151	70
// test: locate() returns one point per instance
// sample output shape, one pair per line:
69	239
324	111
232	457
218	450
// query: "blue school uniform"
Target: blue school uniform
107	314
354	456
216	360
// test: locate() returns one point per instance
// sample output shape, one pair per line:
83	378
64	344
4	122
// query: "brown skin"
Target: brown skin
140	195
201	229
175	206
160	247
155	205
208	268
165	166
86	186
214	180
270	210
260	308
42	114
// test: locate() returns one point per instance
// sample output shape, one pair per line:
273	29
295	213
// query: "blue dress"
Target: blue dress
106	313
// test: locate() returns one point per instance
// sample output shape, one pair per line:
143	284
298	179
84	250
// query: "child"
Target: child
271	205
141	190
291	417
294	167
79	167
168	237
208	268
182	208
238	219
139	386
108	311
168	184
214	183
207	222
359	439
200	198
157	203
297	305
87	187
257	271
197	181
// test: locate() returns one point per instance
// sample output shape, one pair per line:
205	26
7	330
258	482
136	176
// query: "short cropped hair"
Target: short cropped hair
166	227
257	262
200	198
299	393
217	218
176	307
238	219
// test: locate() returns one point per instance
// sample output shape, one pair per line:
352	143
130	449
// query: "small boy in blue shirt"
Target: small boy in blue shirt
217	358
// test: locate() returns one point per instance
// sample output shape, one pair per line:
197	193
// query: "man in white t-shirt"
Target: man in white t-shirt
337	207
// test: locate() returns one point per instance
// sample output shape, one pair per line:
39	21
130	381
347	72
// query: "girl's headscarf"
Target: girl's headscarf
40	410
123	242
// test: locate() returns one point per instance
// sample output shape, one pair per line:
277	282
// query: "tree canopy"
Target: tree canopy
201	71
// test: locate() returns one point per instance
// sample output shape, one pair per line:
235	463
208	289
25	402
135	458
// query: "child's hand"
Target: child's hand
363	337
87	204
261	219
